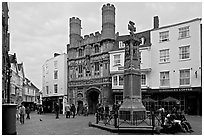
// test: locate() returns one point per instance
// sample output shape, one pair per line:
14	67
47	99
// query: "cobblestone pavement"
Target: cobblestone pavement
78	126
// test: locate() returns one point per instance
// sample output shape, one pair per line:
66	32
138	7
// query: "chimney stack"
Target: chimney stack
156	22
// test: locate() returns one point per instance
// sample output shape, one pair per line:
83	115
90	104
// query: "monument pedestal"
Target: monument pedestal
132	110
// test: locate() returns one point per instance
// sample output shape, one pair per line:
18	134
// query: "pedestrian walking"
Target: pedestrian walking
57	110
85	110
17	113
22	114
73	110
67	111
28	112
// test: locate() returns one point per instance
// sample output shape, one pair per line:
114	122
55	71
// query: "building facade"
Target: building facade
88	62
5	52
176	64
29	95
170	66
54	87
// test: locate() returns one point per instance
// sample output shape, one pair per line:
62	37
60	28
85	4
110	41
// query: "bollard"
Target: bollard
153	119
96	117
115	119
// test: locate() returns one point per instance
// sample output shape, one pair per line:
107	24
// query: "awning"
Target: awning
149	100
170	99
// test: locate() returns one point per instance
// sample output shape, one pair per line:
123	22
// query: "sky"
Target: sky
40	29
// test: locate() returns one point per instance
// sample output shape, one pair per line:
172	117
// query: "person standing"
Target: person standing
67	111
57	110
28	112
22	114
73	109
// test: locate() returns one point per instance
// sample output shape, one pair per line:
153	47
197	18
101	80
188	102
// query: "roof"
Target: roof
173	25
145	34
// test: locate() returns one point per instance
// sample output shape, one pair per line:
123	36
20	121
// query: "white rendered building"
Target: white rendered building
170	65
55	82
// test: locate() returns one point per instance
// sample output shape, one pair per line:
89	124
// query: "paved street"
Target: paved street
78	126
62	126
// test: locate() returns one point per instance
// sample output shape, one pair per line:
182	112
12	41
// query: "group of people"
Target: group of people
105	112
69	110
21	111
175	122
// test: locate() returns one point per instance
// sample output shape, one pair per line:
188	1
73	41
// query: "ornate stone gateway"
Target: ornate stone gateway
132	107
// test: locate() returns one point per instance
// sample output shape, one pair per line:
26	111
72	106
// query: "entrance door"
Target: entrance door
80	107
92	97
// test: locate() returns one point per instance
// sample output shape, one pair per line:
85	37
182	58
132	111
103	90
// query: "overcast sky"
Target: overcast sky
38	30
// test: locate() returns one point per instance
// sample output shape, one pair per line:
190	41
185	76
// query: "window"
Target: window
96	68
80	71
184	52
81	52
164	56
164	78
142	41
116	59
55	74
96	48
55	64
121	44
106	65
184	32
164	36
143	79
185	77
55	88
115	81
121	82
47	89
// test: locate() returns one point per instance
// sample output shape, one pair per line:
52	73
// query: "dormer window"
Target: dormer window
142	41
121	45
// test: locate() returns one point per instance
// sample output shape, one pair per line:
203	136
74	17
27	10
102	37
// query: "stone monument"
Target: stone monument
132	108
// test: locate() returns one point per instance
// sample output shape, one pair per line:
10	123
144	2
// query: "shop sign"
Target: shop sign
175	89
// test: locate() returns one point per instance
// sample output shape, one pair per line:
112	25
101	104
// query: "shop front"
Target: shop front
50	102
189	99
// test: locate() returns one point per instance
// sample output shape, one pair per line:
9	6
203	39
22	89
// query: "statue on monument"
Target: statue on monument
132	28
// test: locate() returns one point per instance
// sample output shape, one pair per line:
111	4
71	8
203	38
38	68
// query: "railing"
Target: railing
127	120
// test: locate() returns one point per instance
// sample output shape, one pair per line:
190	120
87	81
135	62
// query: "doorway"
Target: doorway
92	99
80	107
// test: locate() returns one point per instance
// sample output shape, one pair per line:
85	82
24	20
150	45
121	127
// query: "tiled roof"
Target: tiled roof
145	34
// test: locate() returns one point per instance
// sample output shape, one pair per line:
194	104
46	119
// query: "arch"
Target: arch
96	88
92	96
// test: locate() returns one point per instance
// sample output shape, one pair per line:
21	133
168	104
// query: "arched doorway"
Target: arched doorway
79	107
92	96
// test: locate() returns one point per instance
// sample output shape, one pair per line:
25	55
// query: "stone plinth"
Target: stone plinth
132	110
